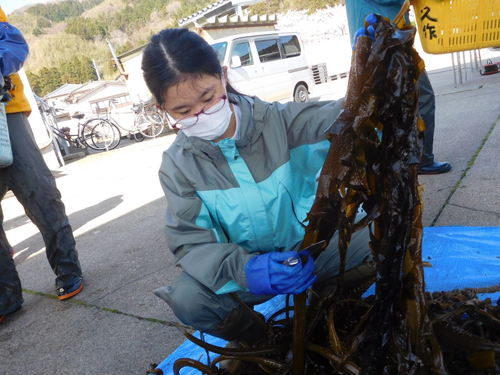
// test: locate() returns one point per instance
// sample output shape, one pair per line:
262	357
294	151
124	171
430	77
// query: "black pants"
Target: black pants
34	186
427	108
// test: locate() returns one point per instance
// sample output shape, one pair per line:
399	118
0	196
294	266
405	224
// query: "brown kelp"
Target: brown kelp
381	176
372	163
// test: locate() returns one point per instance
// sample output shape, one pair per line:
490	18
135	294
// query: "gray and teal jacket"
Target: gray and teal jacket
230	201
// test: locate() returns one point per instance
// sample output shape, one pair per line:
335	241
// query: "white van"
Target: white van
270	65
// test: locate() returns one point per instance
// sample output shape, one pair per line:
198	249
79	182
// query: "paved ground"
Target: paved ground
116	207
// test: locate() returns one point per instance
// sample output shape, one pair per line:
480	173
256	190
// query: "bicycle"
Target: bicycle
149	120
133	131
97	134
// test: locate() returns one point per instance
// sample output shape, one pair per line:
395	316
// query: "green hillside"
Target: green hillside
65	36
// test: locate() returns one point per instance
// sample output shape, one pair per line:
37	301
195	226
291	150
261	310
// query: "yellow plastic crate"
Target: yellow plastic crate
457	25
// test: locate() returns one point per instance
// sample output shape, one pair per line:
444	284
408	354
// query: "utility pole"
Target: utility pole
96	70
117	62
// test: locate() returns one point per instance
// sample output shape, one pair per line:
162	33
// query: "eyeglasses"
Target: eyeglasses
213	106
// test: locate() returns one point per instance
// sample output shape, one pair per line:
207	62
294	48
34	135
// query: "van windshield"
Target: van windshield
220	48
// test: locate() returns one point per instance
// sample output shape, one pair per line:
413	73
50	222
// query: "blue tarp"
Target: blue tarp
461	257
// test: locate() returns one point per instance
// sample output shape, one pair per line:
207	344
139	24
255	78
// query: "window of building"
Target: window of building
104	105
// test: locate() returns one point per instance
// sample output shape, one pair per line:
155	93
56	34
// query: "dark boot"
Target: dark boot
239	325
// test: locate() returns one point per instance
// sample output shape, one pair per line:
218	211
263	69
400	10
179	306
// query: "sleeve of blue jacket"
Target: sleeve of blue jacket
13	49
306	124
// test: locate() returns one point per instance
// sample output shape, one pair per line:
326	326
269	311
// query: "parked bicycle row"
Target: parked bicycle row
104	131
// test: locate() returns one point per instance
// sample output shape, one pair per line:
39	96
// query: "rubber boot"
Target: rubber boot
240	325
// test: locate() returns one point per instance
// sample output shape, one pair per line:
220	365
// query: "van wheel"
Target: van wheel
301	95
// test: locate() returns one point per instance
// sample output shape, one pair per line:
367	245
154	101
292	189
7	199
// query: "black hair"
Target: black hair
174	55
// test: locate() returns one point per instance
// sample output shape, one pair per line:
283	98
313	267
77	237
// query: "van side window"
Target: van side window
220	48
268	50
291	45
243	51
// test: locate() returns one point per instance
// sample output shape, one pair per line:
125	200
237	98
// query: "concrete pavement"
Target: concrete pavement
116	208
466	135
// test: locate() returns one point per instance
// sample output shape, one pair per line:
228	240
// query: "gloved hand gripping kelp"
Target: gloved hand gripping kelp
400	330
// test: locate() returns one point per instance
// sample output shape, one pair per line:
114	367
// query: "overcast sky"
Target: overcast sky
9	6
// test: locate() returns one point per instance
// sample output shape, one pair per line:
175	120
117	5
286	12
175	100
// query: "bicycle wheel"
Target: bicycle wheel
153	115
84	133
87	134
149	128
103	135
139	137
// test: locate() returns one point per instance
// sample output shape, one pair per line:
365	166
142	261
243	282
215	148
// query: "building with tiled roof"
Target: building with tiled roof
227	17
62	91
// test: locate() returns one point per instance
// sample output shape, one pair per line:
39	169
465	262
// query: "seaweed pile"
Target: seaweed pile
401	329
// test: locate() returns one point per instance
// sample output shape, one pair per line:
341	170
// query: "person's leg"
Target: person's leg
427	108
11	296
359	268
34	186
218	315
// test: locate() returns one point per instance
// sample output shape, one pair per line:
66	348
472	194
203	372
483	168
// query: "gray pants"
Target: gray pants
220	315
34	186
427	108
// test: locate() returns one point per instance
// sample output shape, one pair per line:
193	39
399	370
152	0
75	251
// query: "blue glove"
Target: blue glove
369	31
266	274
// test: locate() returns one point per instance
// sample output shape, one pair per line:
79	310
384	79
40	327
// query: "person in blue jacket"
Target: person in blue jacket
357	11
239	180
32	183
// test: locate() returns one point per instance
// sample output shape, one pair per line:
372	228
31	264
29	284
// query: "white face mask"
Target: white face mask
209	126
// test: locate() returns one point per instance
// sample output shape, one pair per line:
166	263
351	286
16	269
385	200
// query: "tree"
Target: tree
124	48
57	12
75	70
34	81
47	80
86	28
42	22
